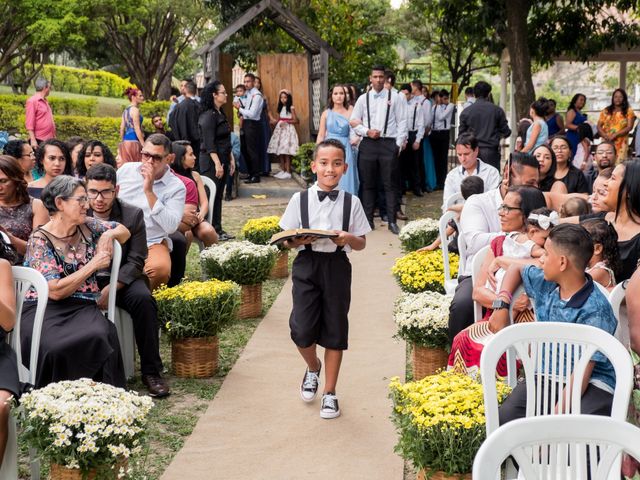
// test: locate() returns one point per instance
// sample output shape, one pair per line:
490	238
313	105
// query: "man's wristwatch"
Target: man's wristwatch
499	304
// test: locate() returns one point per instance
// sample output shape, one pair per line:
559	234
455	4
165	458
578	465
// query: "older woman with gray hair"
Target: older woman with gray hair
77	339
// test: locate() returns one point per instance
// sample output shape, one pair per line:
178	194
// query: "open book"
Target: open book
301	232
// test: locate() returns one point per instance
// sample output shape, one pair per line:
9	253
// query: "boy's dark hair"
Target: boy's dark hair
481	89
605	173
331	142
574	242
471	185
518	160
417	83
443	93
468	91
191	88
378	68
467	139
102	172
602	232
574	207
405	86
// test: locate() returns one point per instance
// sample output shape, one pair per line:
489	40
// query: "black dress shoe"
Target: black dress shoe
227	197
253	180
394	228
384	218
156	386
418	193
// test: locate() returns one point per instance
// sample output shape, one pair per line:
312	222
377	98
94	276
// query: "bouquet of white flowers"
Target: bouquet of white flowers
418	233
423	318
242	262
85	425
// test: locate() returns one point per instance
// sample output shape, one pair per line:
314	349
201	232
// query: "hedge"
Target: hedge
150	108
87	82
60	106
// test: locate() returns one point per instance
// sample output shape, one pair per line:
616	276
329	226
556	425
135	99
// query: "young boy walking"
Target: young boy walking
322	272
562	292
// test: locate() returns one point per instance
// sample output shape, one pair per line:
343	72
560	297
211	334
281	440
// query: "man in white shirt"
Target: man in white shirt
161	198
411	156
442	115
251	126
470	164
379	118
480	223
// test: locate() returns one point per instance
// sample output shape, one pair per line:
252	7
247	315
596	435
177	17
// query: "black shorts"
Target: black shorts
321	299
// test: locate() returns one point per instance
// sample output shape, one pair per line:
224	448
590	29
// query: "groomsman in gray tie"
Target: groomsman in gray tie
379	118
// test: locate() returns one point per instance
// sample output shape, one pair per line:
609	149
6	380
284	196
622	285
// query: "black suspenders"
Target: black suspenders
413	124
386	118
304	214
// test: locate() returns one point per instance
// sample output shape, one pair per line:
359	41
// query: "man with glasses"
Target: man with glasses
151	186
605	157
133	294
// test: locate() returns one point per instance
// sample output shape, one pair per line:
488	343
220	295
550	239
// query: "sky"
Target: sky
396	3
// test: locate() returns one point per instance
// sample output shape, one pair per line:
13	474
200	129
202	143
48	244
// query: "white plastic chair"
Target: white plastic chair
450	284
616	297
476	264
210	184
557	447
25	278
120	317
453	199
553	343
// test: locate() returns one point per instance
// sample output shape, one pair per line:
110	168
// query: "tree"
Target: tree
450	31
33	29
148	36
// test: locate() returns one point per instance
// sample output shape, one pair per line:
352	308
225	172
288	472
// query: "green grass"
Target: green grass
107	106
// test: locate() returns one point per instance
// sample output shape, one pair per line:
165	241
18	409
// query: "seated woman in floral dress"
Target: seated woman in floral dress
77	340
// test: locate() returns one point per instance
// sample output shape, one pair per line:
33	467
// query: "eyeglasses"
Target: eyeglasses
32	154
83	199
222	93
107	194
506	208
155	158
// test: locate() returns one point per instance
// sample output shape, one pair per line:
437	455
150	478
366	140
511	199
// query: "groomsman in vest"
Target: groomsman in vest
411	156
252	128
441	120
379	118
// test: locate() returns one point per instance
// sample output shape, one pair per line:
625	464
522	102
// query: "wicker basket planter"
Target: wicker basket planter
443	476
195	357
251	301
427	361
281	268
59	472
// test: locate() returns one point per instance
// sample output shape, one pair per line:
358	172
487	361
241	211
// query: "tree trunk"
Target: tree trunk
164	89
516	39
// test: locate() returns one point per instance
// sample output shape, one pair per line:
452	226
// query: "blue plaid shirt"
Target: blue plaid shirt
588	306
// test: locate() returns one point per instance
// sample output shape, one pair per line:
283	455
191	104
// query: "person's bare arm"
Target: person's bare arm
7	297
532	139
511	281
481	294
561	406
202	196
294	117
571	115
61	288
633	310
322	130
346	238
135	119
560	121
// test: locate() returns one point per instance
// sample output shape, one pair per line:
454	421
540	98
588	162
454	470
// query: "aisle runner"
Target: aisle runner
257	427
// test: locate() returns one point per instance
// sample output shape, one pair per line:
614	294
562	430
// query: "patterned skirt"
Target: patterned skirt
284	140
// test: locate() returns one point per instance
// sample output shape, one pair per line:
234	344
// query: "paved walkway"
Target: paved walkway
257	427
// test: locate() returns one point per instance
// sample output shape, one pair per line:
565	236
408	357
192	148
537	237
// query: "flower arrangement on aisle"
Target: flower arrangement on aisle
421	271
422	320
418	233
193	314
440	421
84	428
259	231
244	263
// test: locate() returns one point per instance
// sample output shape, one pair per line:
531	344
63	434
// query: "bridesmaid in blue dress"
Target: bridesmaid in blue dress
334	123
574	118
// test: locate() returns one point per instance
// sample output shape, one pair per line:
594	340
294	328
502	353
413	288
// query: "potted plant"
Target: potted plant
418	233
440	422
193	313
244	263
422	320
259	231
85	429
421	271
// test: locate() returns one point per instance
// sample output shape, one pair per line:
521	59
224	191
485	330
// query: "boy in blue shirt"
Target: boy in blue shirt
321	271
562	292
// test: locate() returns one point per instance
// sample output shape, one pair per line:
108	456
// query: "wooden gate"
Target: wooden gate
288	71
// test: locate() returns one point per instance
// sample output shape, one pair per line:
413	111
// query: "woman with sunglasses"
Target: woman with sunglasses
77	340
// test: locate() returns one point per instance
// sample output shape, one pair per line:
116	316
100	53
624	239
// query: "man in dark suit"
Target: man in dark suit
133	295
184	118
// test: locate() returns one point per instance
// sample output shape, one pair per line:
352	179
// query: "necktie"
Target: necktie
333	194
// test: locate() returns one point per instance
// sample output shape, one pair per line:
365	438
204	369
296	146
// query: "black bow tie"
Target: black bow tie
333	194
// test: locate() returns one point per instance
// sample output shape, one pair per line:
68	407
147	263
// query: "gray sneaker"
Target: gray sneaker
310	383
329	407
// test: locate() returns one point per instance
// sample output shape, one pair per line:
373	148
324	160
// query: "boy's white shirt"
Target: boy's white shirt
325	215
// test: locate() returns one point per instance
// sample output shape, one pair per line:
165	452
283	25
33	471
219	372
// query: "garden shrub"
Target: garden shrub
11	117
149	108
60	106
87	82
301	162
